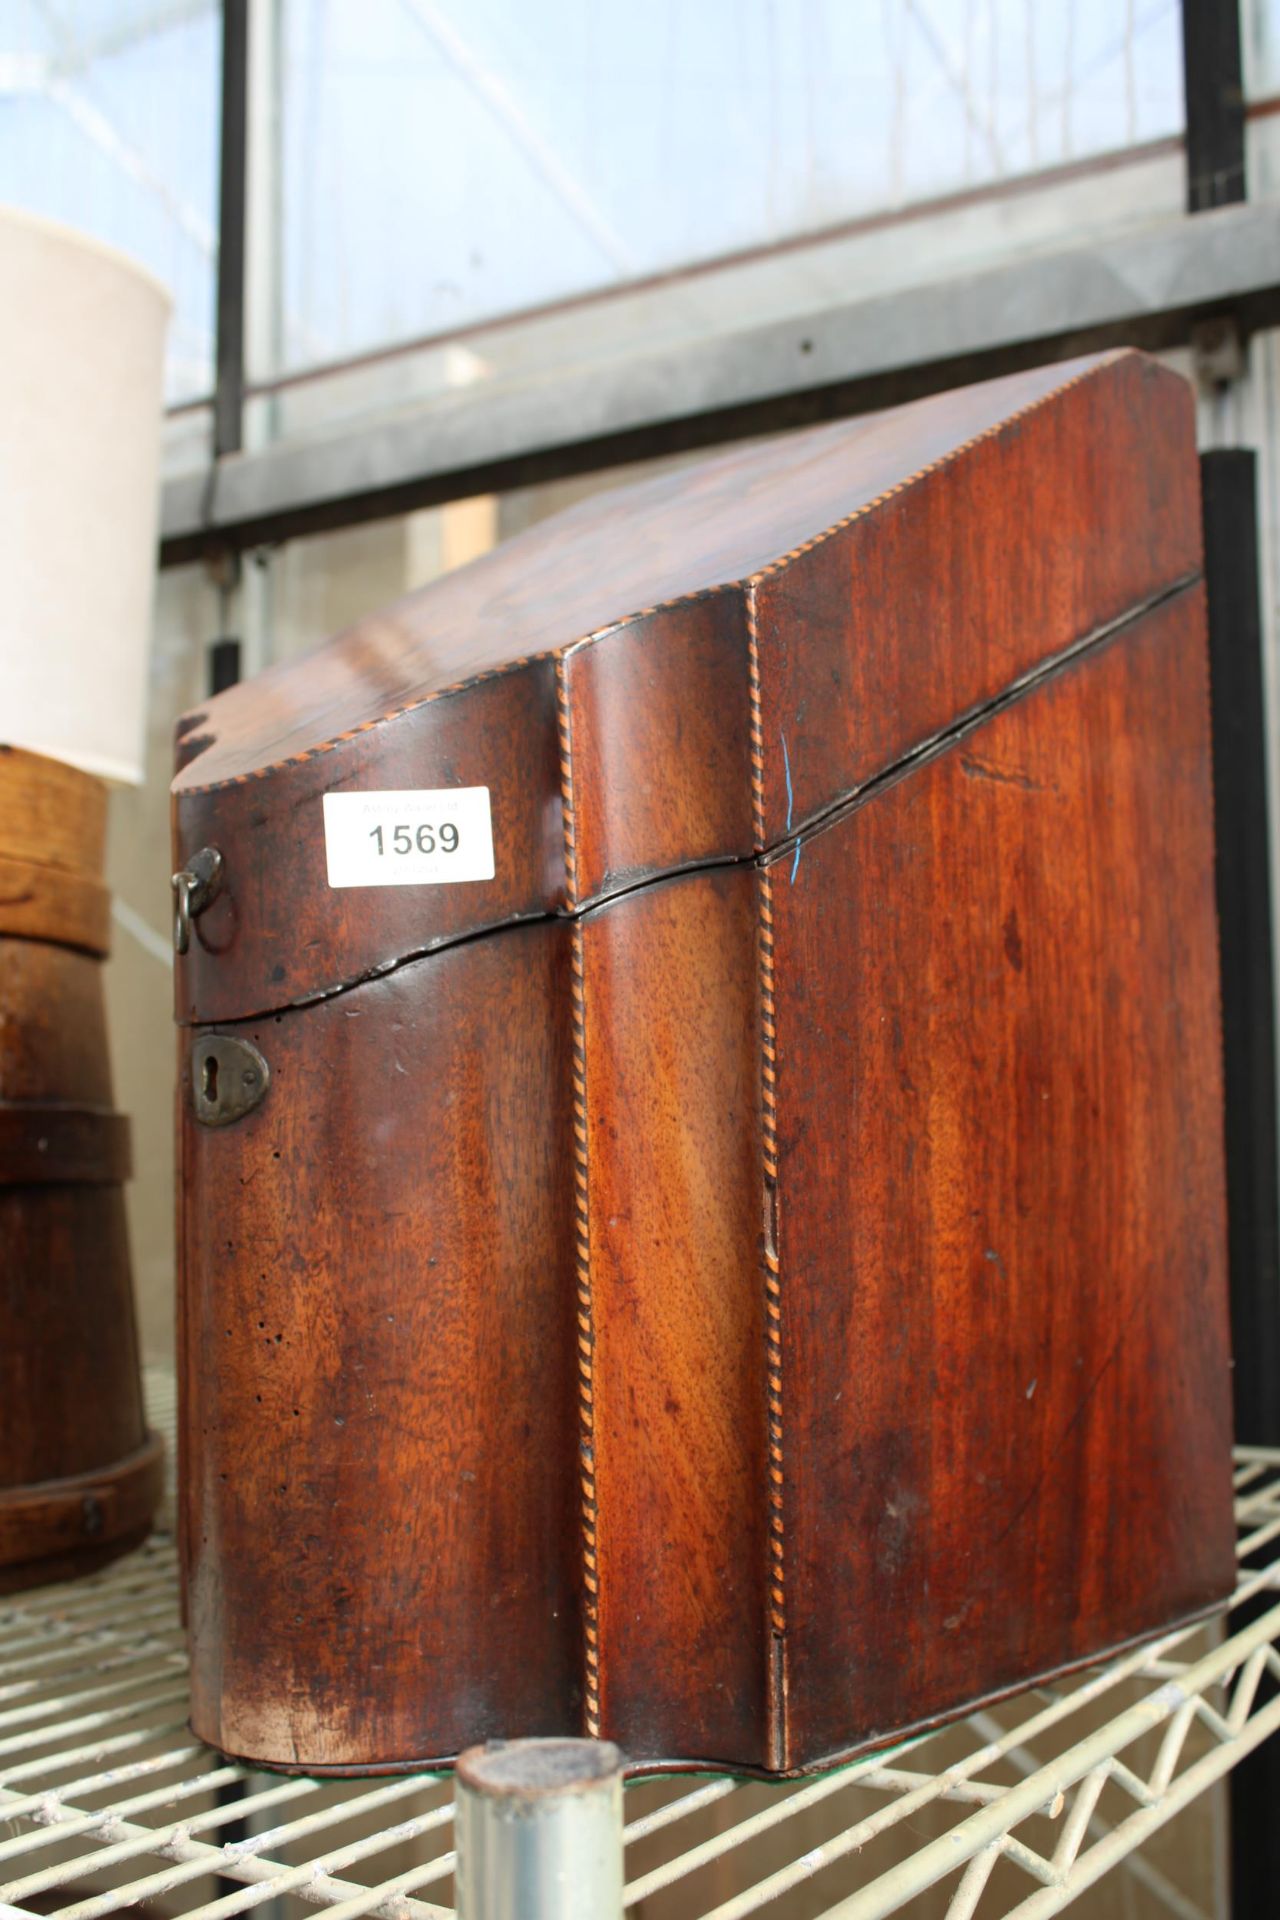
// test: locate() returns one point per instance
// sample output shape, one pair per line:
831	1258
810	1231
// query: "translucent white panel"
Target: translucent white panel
448	161
108	122
1260	20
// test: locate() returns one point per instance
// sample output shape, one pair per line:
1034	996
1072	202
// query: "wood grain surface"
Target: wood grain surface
831	597
380	1418
750	1279
79	1476
47	903
53	827
674	1179
51	813
1005	1349
971	576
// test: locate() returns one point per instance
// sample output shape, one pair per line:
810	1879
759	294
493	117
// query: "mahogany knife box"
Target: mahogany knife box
701	1178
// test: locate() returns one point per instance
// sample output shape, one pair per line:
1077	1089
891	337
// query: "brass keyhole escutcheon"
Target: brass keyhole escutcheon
229	1077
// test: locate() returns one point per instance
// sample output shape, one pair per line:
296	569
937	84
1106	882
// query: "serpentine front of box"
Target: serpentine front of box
701	1170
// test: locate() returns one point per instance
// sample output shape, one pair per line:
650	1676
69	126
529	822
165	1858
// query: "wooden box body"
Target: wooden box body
80	1475
748	1279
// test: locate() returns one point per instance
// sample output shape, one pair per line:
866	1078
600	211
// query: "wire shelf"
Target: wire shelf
108	1805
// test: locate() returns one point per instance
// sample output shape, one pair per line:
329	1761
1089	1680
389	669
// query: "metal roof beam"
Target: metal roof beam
1146	288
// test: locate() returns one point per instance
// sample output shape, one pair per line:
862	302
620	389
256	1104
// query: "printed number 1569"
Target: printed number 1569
426	839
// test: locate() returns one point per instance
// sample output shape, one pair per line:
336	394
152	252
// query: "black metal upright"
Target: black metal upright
233	177
1229	480
228	411
1248	1031
1213	76
1213	79
224	664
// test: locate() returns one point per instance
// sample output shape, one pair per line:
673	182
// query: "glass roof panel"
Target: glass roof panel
446	162
108	123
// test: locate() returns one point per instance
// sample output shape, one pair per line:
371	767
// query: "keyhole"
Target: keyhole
210	1078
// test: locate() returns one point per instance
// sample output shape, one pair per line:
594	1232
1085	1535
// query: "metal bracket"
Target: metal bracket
228	1078
194	886
1217	352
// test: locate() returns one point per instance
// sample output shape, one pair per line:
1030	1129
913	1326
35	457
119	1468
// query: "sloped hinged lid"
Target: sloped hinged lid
688	670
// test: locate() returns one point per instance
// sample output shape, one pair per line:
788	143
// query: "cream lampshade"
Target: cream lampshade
81	359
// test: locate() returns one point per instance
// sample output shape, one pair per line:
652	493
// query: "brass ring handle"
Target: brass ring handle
194	886
184	884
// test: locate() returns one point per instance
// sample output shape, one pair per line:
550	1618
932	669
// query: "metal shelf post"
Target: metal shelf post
539	1831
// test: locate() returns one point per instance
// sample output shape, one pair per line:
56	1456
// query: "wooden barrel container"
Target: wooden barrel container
80	1476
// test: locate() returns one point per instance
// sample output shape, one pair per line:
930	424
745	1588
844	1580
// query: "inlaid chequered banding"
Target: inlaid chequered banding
563	725
585	1338
586	1341
768	1149
663	606
756	724
772	1264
